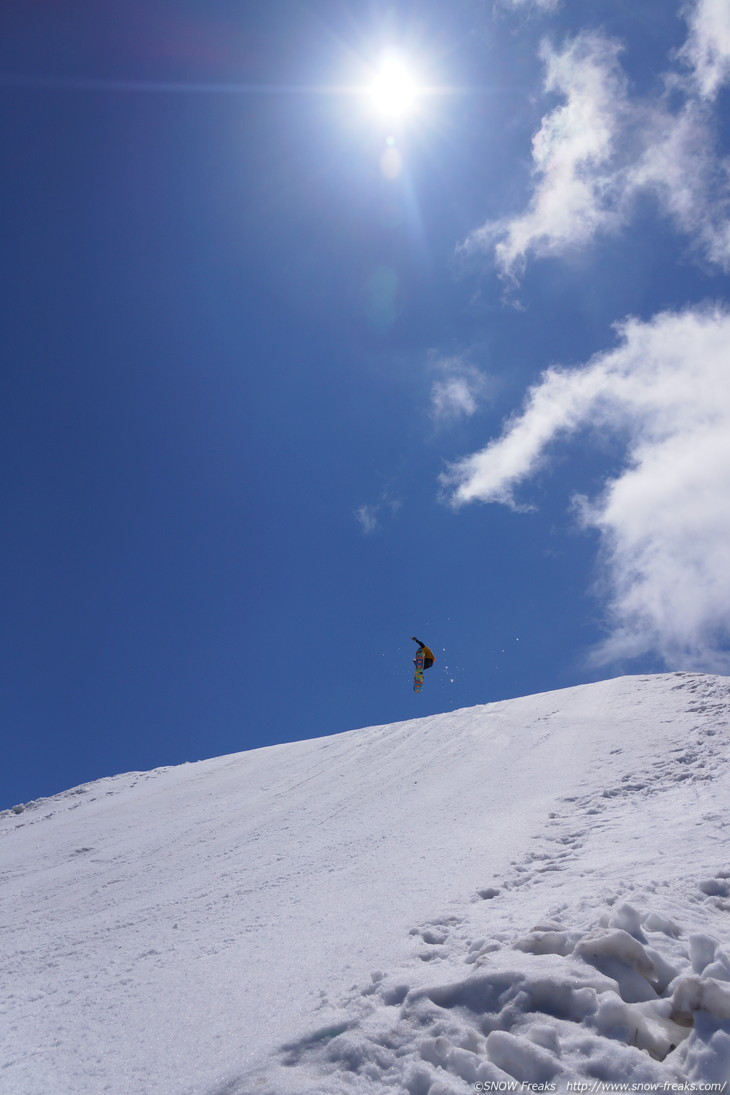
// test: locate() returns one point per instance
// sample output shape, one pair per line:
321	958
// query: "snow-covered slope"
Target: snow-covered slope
534	890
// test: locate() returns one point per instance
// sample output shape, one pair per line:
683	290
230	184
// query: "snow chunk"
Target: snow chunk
621	957
522	1058
716	887
627	919
647	1026
655	922
547	942
692	994
701	951
705	1003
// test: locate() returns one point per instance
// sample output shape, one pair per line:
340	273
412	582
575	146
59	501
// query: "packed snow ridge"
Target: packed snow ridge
527	895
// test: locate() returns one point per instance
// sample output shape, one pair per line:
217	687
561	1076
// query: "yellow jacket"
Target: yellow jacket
427	652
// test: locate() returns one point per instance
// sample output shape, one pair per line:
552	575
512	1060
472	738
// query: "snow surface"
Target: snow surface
532	891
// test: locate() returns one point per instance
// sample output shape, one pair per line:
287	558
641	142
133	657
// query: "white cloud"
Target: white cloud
664	520
572	154
678	165
367	517
707	49
673	162
460	392
593	154
541	5
453	398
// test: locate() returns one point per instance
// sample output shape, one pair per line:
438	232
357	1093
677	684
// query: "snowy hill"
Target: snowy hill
536	890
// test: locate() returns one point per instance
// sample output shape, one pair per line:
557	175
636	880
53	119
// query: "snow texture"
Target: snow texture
530	892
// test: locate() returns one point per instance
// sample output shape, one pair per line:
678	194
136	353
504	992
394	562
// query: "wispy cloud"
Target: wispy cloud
459	391
600	148
540	5
370	517
573	196
664	520
707	49
679	166
367	517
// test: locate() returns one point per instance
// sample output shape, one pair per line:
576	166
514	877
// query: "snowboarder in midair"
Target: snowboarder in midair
428	654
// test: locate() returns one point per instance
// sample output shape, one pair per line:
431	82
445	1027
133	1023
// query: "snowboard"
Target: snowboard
418	675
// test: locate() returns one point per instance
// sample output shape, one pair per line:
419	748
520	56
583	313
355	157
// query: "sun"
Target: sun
394	90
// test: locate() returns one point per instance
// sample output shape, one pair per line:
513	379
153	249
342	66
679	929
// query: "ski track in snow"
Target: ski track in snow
535	891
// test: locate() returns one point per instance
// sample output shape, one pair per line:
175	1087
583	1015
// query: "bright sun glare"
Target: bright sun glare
394	90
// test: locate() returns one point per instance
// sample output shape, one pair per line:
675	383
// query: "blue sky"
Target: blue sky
289	376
